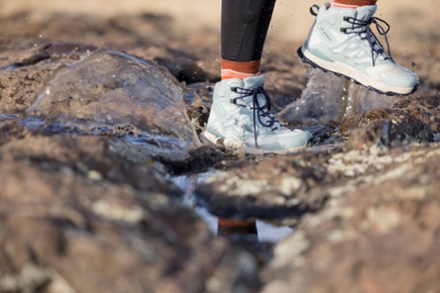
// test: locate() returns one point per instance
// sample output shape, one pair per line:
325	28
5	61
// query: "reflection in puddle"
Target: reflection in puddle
241	230
237	230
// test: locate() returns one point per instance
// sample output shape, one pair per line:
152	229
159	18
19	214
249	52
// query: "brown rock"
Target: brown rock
113	88
272	188
414	119
78	90
381	236
76	215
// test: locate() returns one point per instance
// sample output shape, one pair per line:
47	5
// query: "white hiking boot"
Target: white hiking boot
240	118
341	41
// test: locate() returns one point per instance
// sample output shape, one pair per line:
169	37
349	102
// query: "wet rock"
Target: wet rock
414	119
385	229
74	88
79	217
113	88
89	156
273	188
28	71
19	87
298	184
374	133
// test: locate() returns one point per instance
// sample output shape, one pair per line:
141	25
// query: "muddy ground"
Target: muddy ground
100	114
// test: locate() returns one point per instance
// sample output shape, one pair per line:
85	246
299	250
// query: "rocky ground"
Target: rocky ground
98	114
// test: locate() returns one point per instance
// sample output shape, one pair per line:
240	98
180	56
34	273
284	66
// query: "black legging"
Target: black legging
244	28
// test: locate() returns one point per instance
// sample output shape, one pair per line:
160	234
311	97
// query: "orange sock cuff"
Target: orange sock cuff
223	222
352	3
234	69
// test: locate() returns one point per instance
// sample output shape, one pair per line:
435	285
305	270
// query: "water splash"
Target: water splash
358	99
328	98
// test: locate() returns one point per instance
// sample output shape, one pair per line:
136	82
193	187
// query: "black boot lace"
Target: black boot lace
260	112
363	29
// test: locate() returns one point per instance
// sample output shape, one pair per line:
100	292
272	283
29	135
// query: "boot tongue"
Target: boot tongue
365	12
253	81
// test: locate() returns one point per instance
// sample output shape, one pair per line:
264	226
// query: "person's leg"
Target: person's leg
244	27
342	41
356	3
240	115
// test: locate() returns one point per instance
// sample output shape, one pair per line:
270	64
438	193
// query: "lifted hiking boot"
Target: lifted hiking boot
240	118
341	41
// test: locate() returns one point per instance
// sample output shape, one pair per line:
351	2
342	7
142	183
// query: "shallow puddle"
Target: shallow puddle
253	230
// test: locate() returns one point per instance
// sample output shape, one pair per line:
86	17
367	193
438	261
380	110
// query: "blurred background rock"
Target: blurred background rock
291	20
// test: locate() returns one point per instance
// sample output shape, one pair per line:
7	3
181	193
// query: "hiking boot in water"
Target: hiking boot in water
240	118
341	41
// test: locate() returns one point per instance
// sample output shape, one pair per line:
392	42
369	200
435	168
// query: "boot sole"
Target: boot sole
360	78
234	145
